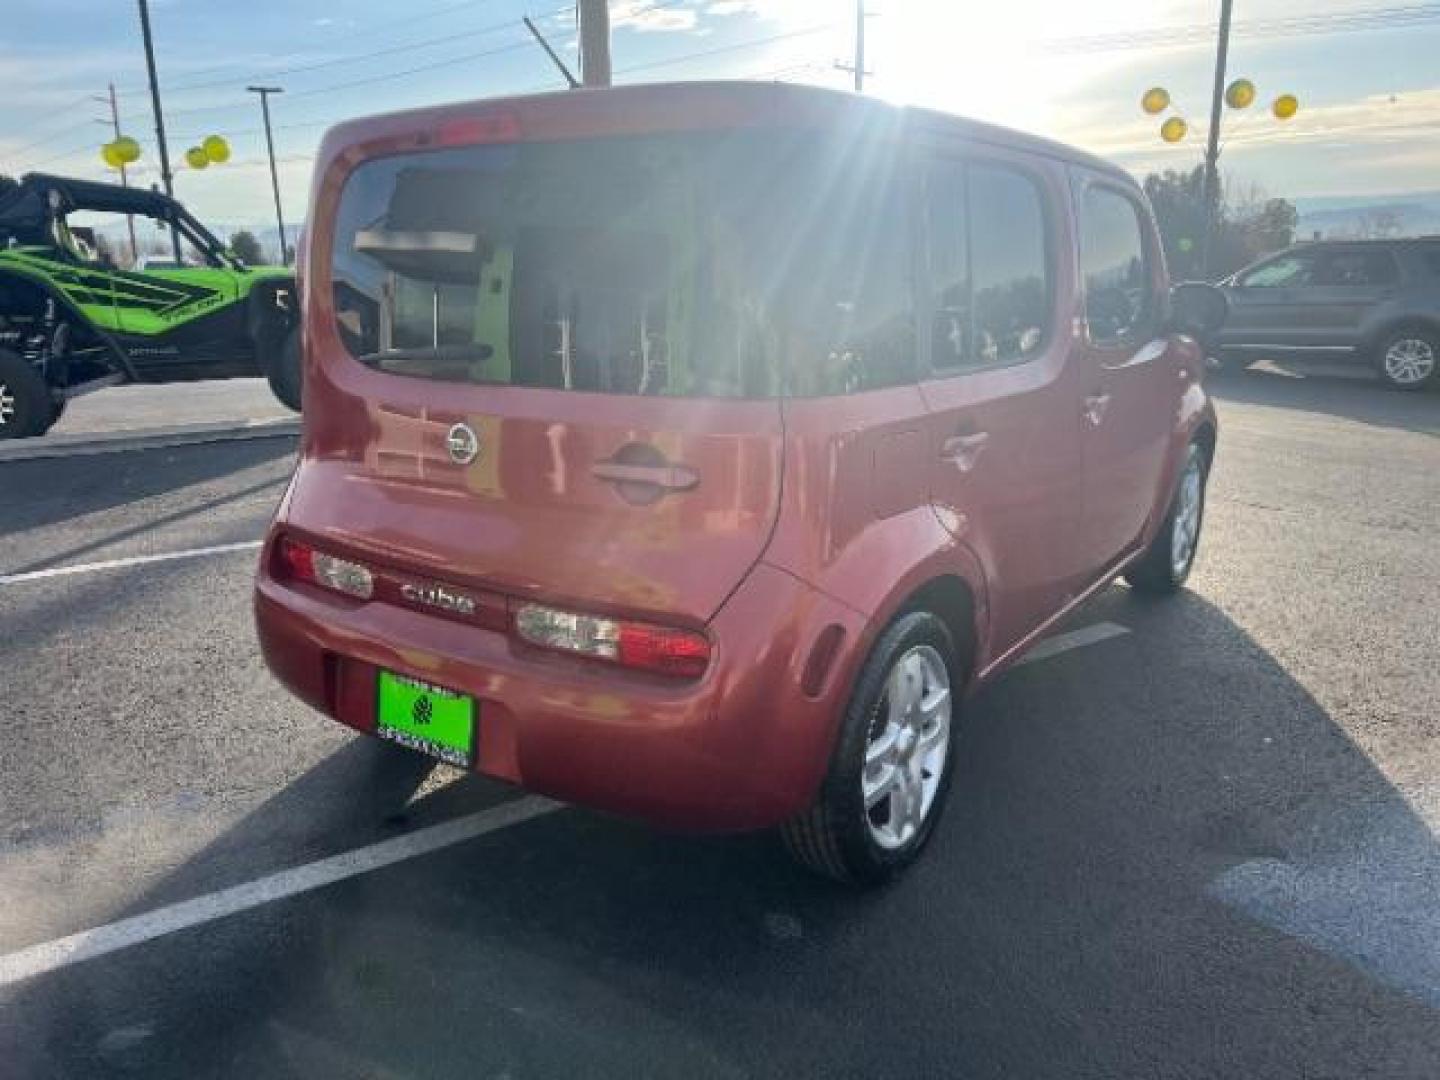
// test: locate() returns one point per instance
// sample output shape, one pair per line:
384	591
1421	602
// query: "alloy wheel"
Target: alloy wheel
906	755
1185	530
1409	361
7	405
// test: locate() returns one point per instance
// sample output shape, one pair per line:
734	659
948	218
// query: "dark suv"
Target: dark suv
1375	300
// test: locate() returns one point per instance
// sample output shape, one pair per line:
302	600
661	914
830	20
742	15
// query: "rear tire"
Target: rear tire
26	407
1409	359
1168	560
893	759
284	369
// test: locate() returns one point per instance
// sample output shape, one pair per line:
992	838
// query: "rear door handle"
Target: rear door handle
1095	406
669	477
963	450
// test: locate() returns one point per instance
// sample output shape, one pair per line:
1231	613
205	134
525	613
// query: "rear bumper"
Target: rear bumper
743	747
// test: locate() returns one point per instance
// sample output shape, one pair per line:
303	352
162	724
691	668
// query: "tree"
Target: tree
1250	223
1179	202
246	248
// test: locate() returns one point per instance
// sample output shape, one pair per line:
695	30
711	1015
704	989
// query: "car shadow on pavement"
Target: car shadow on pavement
48	491
1161	858
1366	402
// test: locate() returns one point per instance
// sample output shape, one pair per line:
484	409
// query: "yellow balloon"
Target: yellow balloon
1286	106
127	148
110	153
216	148
1156	99
195	157
1173	130
1240	94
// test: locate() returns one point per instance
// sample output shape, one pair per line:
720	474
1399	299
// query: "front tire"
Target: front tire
26	408
890	770
1409	358
1168	560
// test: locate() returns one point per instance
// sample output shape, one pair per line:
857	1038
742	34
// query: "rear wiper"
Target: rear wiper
435	362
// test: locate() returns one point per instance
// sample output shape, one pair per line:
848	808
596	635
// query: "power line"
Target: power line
21	151
407	20
351	58
1204	33
753	43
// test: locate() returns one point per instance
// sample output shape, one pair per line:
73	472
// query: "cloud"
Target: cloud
644	16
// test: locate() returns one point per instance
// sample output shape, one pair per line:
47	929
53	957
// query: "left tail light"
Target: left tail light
301	562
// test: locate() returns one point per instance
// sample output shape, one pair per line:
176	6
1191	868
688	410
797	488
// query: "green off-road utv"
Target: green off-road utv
72	321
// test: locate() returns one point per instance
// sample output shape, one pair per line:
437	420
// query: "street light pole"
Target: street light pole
1212	146
265	92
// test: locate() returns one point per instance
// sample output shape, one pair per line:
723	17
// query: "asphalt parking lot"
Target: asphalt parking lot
1201	842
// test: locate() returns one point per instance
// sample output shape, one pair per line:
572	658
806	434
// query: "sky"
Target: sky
1364	71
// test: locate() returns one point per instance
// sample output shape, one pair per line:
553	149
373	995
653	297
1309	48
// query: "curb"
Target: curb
114	442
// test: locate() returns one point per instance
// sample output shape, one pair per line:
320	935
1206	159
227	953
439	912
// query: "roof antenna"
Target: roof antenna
569	78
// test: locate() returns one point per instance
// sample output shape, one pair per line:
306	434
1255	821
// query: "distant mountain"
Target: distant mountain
1343	216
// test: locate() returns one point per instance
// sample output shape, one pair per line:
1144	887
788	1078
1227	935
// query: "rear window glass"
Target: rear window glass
724	265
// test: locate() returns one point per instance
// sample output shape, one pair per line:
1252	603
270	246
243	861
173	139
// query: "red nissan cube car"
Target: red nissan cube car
690	451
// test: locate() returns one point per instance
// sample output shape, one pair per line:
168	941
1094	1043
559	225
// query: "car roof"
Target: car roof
772	102
92	195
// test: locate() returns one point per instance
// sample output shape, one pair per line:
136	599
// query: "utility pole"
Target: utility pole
594	18
265	92
165	177
857	68
1212	146
124	178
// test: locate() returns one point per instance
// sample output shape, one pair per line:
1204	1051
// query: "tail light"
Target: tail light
300	562
642	646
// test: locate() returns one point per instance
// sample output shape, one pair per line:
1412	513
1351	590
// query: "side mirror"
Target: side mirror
1197	308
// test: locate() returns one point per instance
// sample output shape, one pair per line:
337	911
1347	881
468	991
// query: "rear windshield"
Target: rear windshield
719	264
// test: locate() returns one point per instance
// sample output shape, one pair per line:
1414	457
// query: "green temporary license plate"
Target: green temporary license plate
427	718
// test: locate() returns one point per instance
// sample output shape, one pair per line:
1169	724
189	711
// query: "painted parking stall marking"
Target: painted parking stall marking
87	944
134	560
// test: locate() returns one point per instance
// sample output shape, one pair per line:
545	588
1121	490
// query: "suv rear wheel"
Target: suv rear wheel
1409	358
25	405
890	770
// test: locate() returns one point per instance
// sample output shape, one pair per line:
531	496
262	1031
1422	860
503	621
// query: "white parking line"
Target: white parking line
134	560
88	944
1073	639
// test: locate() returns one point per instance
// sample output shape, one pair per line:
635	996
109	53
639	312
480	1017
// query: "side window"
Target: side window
865	339
949	263
1357	268
1119	298
1008	265
1284	272
989	273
